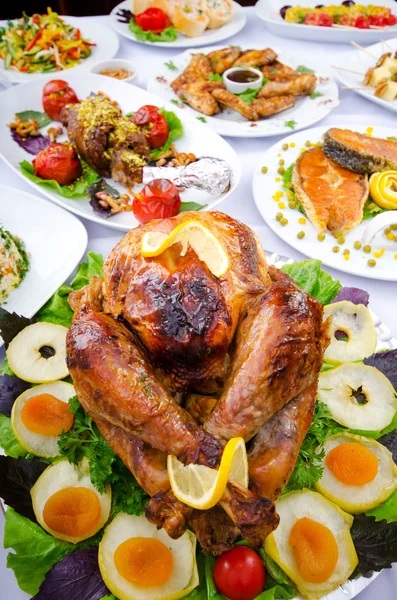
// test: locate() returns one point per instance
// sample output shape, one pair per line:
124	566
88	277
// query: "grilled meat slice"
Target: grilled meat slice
332	197
255	58
221	60
358	152
232	101
265	107
278	71
303	85
274	451
278	353
198	96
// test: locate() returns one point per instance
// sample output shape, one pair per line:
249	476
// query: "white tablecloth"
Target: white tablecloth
352	109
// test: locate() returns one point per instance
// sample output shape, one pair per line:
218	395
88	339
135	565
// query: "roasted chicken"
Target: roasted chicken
198	96
303	85
109	142
226	99
243	352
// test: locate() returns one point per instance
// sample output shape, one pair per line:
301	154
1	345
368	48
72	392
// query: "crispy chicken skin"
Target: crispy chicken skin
278	71
255	58
221	60
198	69
274	451
198	96
266	107
232	101
183	315
299	86
271	364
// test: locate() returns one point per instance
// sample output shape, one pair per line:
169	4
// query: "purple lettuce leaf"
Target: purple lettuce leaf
101	186
390	441
10	388
76	577
17	476
386	362
33	145
11	324
352	294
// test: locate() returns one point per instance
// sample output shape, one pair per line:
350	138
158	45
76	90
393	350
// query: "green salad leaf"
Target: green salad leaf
303	69
5	368
215	77
386	511
57	309
290	124
41	118
185	206
249	95
167	35
175	131
371	209
8	441
315	95
74	190
313	280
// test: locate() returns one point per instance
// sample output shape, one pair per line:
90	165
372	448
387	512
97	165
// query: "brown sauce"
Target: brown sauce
243	76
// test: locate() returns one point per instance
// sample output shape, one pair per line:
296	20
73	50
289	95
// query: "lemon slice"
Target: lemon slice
201	487
194	234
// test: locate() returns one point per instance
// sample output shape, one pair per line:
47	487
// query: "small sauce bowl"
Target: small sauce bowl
241	79
115	65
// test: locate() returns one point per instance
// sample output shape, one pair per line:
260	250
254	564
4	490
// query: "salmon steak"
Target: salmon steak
360	153
333	198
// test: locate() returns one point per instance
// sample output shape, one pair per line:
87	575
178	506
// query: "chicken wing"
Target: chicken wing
221	60
300	86
198	96
232	101
255	58
265	107
278	71
198	69
278	354
274	451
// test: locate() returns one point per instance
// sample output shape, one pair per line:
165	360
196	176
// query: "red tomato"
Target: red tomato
145	114
318	19
153	19
361	22
56	94
159	199
239	574
59	162
157	132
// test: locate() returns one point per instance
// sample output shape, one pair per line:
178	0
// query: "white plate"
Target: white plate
54	239
306	111
197	139
264	187
360	61
269	12
107	45
210	36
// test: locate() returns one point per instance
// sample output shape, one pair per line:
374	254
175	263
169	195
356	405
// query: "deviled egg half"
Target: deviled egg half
66	503
359	473
139	562
39	416
312	543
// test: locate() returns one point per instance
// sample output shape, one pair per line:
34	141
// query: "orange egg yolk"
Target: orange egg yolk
146	562
316	550
72	511
46	415
352	463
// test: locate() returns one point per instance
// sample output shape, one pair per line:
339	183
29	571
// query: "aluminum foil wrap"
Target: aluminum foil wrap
208	174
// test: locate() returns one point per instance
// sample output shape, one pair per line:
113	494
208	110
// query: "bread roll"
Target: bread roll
166	6
139	6
189	17
219	12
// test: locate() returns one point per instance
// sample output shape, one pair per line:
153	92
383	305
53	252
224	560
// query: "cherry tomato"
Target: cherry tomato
239	574
56	95
159	199
145	114
59	162
361	22
157	130
153	19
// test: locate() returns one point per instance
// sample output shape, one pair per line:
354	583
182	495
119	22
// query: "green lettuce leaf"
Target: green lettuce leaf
41	118
186	206
168	35
5	368
310	277
371	209
56	309
175	131
8	441
75	190
386	511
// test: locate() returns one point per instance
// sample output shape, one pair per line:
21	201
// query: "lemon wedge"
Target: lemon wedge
383	189
194	234
201	487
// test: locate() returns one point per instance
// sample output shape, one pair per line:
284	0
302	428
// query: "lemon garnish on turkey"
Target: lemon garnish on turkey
201	487
194	234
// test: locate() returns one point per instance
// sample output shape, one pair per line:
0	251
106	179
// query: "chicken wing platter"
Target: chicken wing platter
247	93
197	412
371	72
330	193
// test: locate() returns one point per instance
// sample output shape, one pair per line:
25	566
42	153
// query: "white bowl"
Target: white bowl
236	87
116	63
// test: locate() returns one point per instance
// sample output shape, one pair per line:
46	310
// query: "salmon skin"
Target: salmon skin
333	198
358	152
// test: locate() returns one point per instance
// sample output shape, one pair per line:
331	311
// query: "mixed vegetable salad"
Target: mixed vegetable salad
42	44
42	562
